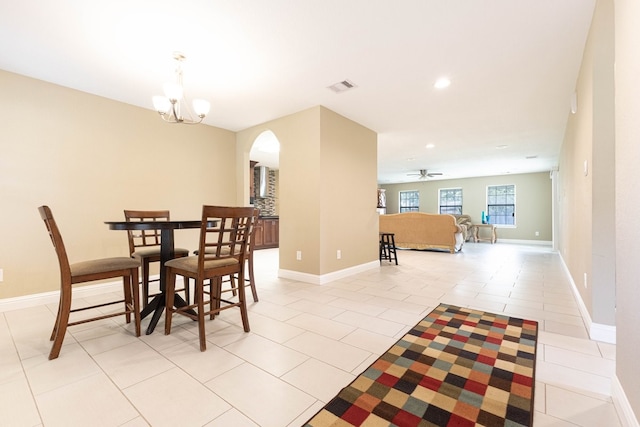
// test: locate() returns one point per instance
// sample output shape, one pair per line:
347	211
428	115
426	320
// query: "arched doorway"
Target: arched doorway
264	160
264	157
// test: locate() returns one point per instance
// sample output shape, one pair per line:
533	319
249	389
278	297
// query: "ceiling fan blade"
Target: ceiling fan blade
424	174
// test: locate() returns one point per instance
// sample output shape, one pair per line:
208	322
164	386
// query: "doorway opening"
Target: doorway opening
265	160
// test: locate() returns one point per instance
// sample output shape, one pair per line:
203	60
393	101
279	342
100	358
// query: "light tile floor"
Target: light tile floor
306	343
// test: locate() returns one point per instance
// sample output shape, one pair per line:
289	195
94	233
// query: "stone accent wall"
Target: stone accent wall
267	205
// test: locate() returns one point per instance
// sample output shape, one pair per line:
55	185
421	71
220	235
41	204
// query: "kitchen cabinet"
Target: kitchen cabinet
267	233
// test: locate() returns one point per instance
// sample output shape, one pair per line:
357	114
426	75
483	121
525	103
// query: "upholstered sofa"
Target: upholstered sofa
419	230
465	223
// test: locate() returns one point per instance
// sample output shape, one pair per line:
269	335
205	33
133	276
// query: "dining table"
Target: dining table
158	303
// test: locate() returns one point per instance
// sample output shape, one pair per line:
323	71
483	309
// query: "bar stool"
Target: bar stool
388	247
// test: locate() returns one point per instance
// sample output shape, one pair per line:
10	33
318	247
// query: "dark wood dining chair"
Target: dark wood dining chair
144	245
88	271
250	281
222	251
249	277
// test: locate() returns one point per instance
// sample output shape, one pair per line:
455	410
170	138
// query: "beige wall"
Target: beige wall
586	198
603	250
89	158
575	189
627	154
299	183
327	185
533	201
349	220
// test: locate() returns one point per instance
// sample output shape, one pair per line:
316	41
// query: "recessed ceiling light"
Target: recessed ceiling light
501	147
442	82
410	159
430	145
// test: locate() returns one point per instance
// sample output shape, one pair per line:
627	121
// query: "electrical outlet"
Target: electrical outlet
585	280
338	254
537	233
299	255
1	274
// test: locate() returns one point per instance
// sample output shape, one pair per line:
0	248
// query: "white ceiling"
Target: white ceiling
513	65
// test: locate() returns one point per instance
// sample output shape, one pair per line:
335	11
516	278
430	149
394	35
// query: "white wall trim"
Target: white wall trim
329	277
623	407
526	242
597	331
26	301
604	333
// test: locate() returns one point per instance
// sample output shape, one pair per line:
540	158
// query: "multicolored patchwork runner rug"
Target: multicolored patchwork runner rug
457	367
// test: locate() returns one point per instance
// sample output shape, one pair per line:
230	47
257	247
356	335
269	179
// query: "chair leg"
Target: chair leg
196	291
232	282
169	292
252	281
187	291
200	304
128	299
215	293
213	296
133	282
62	321
242	299
218	296
54	332
145	281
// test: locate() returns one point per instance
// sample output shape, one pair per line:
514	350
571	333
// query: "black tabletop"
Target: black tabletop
153	225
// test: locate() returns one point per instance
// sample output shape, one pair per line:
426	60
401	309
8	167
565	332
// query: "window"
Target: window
409	201
451	201
501	204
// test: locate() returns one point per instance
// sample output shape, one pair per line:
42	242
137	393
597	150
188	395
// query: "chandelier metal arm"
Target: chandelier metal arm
174	119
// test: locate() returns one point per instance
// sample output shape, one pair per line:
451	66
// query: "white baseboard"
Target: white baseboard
526	242
604	333
597	331
26	301
329	277
623	407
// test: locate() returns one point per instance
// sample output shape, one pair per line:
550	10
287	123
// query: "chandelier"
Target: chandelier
173	107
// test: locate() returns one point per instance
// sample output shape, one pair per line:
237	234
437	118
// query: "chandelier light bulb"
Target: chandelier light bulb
201	107
162	104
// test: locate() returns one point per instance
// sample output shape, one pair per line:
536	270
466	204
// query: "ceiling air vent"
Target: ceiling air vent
342	86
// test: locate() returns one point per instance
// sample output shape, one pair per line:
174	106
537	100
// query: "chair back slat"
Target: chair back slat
225	233
144	238
252	235
58	244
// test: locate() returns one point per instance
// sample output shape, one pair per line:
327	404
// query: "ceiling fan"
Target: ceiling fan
424	174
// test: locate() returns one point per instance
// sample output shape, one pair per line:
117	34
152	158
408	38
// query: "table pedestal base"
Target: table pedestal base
156	306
